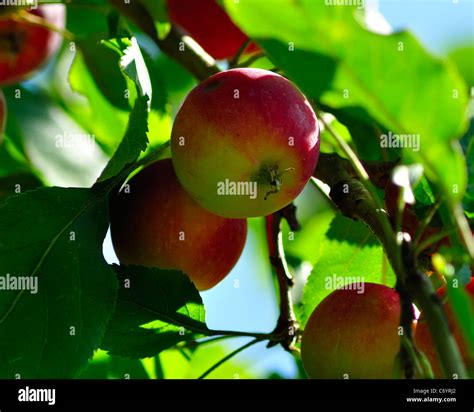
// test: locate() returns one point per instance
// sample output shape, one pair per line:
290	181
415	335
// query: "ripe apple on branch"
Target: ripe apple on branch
27	41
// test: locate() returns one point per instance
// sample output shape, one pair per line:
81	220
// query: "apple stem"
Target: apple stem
426	221
287	324
434	239
252	59
235	60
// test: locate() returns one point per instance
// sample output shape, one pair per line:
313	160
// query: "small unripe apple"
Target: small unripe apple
353	335
25	47
424	341
209	25
155	223
245	142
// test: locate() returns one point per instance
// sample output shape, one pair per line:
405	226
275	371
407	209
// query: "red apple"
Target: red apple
25	46
209	25
245	143
353	335
156	224
424	340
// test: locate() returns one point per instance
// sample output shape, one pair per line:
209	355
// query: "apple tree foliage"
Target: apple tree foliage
113	84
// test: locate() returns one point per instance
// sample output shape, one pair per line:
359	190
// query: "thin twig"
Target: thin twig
464	230
426	221
433	239
229	356
240	52
252	59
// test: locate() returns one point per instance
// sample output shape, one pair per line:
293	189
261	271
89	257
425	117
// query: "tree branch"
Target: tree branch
175	45
198	62
287	325
354	201
407	317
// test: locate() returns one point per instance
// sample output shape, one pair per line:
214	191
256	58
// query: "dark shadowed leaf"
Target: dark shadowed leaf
56	240
103	63
156	309
133	143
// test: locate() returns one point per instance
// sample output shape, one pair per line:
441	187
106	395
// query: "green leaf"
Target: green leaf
157	9
133	64
11	160
58	242
103	366
95	16
156	309
307	243
463	58
176	366
88	106
134	142
365	132
17	183
158	84
462	307
351	253
468	201
103	63
337	62
423	194
45	134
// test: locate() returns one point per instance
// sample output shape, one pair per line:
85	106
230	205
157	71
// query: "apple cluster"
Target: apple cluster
244	143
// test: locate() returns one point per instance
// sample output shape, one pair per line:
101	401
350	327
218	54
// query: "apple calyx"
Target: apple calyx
11	44
272	176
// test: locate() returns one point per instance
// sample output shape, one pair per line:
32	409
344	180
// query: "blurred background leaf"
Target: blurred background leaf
390	77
